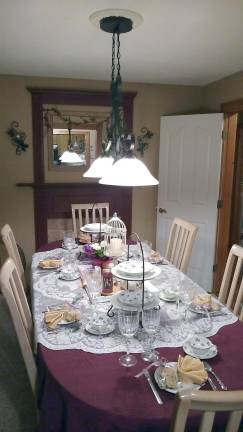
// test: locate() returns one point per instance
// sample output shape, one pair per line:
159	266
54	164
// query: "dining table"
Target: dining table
81	385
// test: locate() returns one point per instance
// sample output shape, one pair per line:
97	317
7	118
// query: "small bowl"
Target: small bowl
200	344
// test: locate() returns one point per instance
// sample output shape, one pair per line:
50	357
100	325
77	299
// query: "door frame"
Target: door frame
231	110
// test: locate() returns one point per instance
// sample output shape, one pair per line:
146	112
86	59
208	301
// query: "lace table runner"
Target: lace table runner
49	290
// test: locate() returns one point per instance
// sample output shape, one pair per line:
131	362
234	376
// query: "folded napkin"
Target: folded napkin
51	262
85	238
205	300
191	370
54	316
155	256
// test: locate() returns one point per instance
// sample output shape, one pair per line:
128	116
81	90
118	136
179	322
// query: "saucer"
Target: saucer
74	247
99	332
212	352
164	297
68	277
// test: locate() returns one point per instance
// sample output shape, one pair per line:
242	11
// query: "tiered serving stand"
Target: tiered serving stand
146	302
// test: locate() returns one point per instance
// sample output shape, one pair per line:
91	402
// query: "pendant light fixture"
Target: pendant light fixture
117	164
70	157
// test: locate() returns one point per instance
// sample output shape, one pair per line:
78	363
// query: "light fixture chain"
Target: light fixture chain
113	57
118	56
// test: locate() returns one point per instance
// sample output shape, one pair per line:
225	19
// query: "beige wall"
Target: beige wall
151	102
224	90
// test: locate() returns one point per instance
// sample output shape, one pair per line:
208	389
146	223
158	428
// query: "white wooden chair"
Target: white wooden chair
209	403
87	213
12	250
231	289
14	294
180	243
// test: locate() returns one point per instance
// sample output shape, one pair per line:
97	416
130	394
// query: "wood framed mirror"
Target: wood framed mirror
55	190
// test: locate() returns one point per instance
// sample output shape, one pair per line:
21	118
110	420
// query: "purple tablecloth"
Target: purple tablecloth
83	392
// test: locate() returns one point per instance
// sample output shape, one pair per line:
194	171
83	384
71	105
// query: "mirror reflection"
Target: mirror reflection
77	129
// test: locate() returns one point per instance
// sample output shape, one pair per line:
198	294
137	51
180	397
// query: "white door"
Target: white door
189	174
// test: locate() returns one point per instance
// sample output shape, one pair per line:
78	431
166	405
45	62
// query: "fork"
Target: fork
209	368
158	362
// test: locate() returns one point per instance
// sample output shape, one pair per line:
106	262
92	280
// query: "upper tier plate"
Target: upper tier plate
134	268
93	228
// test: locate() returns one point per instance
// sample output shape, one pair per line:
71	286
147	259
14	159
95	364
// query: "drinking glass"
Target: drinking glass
150	321
147	249
186	295
94	281
128	322
69	244
203	324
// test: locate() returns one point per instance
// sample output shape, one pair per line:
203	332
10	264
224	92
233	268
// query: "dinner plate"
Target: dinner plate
180	386
212	352
93	330
201	311
153	274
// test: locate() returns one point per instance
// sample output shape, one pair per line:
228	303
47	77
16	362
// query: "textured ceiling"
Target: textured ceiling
179	42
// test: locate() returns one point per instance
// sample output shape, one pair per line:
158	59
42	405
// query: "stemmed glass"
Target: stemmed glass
150	321
69	243
186	295
128	322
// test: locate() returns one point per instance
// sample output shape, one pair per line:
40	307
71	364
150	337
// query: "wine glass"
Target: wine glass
128	322
150	321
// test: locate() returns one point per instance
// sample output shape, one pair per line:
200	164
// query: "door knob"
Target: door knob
161	210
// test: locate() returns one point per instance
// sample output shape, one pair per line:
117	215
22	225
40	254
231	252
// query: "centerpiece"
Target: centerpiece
95	250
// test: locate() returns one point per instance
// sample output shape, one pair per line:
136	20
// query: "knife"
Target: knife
154	390
86	289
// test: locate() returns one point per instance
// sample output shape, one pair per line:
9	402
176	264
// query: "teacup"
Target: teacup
200	345
100	322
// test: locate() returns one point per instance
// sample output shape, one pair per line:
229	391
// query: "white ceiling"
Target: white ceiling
179	42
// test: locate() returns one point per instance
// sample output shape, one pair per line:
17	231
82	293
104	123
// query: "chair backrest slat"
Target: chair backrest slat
12	249
12	288
208	403
86	213
231	289
180	243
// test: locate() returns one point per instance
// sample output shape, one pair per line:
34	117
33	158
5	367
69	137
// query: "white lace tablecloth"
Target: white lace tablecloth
48	290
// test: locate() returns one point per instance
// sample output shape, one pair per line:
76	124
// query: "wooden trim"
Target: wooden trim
231	107
225	194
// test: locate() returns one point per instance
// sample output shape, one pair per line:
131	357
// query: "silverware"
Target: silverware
155	363
209	368
86	289
211	383
154	390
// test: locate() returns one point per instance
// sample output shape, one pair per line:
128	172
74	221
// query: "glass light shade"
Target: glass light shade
99	167
71	158
129	172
